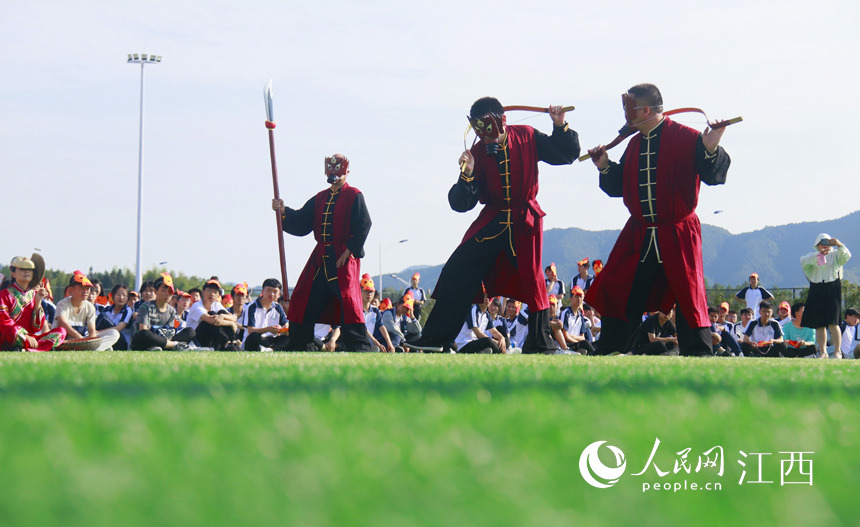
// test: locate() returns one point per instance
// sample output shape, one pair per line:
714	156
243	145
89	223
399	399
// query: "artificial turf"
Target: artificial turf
193	438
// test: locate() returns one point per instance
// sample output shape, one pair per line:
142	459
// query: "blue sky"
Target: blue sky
388	84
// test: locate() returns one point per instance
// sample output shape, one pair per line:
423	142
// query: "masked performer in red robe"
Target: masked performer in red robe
657	259
503	246
328	289
22	319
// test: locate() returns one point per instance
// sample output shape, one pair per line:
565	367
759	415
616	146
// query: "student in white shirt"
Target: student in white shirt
763	337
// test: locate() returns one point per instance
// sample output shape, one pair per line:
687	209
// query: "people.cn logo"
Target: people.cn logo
594	472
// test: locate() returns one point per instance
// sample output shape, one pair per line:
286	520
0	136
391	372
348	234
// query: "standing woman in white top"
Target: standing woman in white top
823	269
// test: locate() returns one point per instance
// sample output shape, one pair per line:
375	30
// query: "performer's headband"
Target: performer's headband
336	167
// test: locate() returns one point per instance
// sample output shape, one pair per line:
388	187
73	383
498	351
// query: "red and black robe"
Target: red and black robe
681	164
344	227
510	202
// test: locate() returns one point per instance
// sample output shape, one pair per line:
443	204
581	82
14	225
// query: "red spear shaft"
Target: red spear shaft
270	125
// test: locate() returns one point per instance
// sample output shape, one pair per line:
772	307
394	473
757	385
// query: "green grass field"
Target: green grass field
127	438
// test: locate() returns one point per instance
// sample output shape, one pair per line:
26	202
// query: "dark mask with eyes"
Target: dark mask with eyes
336	167
488	128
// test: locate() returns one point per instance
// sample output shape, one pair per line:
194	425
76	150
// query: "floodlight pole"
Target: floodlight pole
142	60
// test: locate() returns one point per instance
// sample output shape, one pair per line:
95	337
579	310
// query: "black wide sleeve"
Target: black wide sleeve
560	148
359	226
712	168
299	222
463	196
612	180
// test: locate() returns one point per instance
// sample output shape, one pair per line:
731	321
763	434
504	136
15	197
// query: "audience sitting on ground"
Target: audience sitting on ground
850	344
77	316
799	341
240	298
117	316
656	336
156	326
594	320
763	336
372	320
183	302
215	327
575	326
418	294
400	324
476	336
745	321
516	323
265	321
783	313
724	340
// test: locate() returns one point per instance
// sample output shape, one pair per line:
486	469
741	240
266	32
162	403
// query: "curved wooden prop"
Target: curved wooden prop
514	108
535	109
627	131
270	125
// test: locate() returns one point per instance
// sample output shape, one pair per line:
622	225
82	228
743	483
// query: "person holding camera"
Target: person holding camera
823	269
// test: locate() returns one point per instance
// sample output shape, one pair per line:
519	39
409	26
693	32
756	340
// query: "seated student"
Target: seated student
476	336
582	279
196	294
400	324
753	295
554	286
183	302
576	328
214	326
22	319
240	299
746	319
48	303
517	324
264	320
77	315
93	295
594	318
850	334
732	316
799	341
117	316
763	337
496	320
155	328
97	295
783	313
147	293
371	314
656	336
377	300
133	299
725	342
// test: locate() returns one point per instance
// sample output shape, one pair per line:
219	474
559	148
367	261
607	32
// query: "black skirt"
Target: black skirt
823	305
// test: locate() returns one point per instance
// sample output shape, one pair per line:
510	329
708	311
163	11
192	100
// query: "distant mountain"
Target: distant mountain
773	252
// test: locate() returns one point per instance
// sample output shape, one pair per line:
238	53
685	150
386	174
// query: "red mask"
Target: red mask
488	128
336	167
629	104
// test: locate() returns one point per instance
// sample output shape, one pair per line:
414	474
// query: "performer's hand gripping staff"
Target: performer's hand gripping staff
710	137
489	129
277	204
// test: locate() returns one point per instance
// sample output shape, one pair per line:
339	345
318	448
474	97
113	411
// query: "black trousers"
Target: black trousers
482	345
615	333
777	349
277	343
147	338
353	337
655	348
460	281
215	337
582	346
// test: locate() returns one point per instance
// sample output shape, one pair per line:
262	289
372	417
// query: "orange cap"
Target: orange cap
385	304
82	279
553	299
367	283
584	261
725	305
416	276
241	288
577	291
